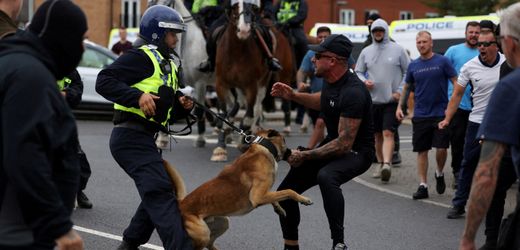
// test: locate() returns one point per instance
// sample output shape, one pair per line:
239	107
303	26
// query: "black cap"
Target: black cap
487	24
337	44
373	16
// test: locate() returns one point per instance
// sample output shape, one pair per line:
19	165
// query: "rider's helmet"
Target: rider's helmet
157	20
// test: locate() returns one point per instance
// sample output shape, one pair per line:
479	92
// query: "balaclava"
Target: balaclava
61	25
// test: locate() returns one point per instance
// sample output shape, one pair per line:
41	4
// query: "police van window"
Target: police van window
347	16
441	45
405	15
130	13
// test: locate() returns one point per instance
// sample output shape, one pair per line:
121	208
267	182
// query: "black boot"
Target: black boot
127	246
83	201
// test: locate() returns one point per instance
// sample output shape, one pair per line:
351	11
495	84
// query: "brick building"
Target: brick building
103	15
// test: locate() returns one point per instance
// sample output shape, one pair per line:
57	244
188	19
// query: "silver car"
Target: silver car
95	58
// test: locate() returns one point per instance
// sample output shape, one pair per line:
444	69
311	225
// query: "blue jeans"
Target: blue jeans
469	164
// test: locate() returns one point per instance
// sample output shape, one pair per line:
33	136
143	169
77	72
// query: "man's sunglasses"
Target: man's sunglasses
486	44
318	56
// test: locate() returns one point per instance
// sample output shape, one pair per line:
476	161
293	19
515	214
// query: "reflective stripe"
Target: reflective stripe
287	11
65	82
152	83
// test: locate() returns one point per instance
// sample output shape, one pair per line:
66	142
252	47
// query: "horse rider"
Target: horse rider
143	84
264	15
291	15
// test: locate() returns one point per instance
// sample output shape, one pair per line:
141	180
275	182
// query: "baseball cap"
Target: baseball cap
335	43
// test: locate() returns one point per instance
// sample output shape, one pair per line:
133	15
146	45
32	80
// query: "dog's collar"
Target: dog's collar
267	144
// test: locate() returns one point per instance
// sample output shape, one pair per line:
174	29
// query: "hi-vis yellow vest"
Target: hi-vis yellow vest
152	83
287	11
63	83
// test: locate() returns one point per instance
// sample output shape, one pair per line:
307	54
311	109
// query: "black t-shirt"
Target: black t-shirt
348	97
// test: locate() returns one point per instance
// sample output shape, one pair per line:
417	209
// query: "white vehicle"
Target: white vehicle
356	33
94	59
131	36
446	31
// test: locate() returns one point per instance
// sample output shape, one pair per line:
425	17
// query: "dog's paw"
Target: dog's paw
279	210
306	201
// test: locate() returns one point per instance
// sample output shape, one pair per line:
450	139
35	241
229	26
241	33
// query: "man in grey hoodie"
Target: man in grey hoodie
382	67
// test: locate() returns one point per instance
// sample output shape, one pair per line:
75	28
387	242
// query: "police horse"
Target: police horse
240	64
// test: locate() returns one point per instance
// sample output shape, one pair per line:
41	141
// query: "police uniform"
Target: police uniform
291	15
147	69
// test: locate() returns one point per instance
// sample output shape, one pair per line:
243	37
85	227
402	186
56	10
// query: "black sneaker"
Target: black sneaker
396	159
455	213
422	193
83	201
441	184
274	64
127	246
340	246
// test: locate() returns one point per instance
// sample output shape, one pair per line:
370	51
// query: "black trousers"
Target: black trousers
85	170
506	178
329	175
457	128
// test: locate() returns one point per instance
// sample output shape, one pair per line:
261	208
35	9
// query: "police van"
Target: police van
131	36
356	33
446	31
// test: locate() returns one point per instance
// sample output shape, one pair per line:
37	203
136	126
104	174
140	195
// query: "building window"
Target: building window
405	15
431	14
130	13
370	12
347	16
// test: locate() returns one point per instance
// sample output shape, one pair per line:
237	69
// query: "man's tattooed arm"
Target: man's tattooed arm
483	187
347	131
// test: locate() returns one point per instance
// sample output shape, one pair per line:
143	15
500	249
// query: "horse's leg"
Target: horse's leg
220	152
258	108
200	90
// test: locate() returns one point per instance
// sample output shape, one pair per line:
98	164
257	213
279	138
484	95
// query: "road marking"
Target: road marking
112	237
406	196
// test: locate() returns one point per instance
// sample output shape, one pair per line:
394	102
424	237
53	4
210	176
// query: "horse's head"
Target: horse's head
243	14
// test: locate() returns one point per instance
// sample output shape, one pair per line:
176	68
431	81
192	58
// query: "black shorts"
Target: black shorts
384	118
426	134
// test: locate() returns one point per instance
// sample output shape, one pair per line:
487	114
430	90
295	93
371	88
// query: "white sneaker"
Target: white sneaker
377	171
386	172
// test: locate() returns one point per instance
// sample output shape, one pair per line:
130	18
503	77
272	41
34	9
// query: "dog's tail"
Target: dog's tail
177	181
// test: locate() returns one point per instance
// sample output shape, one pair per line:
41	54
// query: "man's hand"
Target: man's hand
466	244
396	96
282	90
399	113
69	241
187	103
147	104
302	87
295	159
63	93
369	84
444	124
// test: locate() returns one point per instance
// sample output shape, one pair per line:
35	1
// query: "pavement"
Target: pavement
404	180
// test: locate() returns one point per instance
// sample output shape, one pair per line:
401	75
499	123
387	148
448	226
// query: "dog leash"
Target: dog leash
247	138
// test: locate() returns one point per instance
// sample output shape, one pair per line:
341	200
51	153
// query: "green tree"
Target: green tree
467	7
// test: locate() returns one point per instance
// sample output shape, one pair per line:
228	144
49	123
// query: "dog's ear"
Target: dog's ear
272	133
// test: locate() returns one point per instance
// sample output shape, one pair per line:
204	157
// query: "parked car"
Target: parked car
95	58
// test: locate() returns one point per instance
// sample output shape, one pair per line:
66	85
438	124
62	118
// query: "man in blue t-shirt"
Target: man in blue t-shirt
429	74
499	129
458	55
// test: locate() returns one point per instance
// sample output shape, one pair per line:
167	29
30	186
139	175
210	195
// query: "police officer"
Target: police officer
143	84
71	88
291	15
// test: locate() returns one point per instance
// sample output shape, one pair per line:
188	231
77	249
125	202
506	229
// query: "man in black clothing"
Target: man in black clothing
71	88
348	149
38	152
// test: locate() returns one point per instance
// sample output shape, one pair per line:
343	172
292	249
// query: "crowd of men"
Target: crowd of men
467	98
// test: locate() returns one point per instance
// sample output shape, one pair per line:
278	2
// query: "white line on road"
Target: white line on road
113	237
406	196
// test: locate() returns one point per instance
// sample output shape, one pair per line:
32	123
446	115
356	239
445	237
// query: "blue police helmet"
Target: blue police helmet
157	20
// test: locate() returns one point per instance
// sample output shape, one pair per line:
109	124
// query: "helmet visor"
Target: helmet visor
178	27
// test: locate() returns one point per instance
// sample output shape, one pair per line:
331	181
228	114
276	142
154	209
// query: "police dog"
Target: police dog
237	190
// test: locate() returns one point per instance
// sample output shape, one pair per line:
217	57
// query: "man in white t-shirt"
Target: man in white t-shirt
482	73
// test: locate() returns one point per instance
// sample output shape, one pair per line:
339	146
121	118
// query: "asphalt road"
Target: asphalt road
373	219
